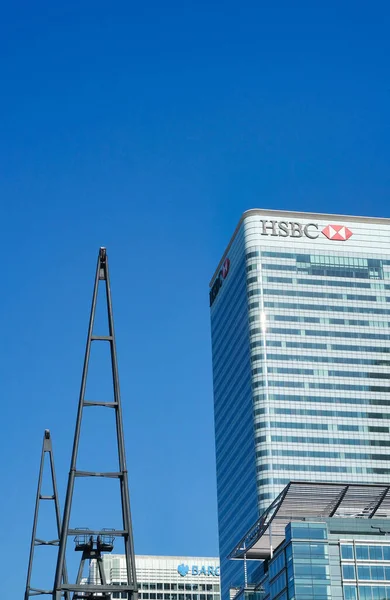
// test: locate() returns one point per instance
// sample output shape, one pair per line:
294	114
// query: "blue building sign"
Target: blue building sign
184	570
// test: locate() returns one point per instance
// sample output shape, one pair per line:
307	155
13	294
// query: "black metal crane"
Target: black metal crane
47	448
91	542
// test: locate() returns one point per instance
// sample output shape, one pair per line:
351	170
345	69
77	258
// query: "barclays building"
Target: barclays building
164	577
300	315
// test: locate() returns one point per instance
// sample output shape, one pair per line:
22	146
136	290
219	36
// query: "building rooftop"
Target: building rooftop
288	214
305	501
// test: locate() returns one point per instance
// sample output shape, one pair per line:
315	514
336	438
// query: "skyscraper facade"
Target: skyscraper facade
300	314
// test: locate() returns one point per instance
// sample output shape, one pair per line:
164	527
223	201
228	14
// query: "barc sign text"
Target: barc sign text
184	570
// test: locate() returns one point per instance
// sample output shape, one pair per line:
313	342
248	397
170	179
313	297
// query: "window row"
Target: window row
324	333
314	385
320	372
181	586
322	454
292	439
322	307
305	551
321	321
326	259
313	412
343	360
324	282
326	271
366	572
310	282
309	570
367	592
309	294
365	552
171	596
322	468
311	592
322	426
322	399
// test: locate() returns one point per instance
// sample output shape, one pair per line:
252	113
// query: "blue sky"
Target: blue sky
150	128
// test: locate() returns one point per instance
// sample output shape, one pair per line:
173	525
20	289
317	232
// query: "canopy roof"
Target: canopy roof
305	501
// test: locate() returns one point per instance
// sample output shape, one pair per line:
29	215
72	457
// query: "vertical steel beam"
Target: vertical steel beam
124	484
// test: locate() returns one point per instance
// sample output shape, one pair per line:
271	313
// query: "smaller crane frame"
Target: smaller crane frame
47	448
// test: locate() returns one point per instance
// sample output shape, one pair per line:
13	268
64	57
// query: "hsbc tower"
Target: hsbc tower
300	322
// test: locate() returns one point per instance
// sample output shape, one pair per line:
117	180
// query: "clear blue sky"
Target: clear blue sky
149	128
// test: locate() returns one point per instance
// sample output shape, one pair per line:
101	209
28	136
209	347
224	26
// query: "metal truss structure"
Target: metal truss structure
47	448
91	542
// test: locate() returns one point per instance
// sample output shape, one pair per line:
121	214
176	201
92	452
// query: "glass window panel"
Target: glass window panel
321	571
303	571
350	592
361	553
377	573
304	591
347	551
321	592
301	533
349	572
378	592
363	572
375	552
386	552
318	532
365	592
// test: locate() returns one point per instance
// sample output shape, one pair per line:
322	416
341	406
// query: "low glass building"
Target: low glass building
345	556
164	577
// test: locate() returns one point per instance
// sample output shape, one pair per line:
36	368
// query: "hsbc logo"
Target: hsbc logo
219	280
337	232
309	230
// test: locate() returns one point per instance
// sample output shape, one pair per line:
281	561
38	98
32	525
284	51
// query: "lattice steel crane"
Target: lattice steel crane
92	543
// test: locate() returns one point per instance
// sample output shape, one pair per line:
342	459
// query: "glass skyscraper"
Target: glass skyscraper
300	314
